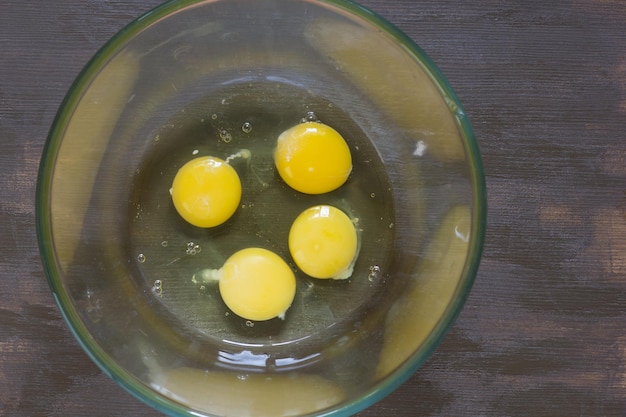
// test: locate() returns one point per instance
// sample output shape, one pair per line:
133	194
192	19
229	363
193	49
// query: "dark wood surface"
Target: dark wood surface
543	332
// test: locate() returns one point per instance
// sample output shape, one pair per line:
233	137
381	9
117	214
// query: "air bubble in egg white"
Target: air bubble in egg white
193	249
157	288
225	136
246	127
310	117
374	273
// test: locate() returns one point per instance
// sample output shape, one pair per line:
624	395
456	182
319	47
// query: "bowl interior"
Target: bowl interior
196	78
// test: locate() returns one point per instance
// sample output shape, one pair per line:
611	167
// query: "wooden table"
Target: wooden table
543	332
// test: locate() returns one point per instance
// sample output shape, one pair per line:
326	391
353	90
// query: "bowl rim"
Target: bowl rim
139	389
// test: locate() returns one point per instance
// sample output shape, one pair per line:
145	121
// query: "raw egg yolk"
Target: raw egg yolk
257	284
323	242
313	158
206	191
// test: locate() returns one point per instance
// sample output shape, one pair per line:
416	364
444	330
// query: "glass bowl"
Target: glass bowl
225	78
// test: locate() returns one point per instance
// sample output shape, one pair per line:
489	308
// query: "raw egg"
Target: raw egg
257	284
313	158
206	191
323	242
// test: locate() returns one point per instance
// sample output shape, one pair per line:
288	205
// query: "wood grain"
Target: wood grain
542	333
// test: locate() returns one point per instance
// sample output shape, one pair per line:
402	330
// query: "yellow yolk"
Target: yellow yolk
257	284
323	242
313	158
206	191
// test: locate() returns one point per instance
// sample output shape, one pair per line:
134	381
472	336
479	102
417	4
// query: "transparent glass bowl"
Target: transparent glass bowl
215	77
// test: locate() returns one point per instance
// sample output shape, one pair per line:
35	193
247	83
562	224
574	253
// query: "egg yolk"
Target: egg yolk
206	191
323	242
313	158
257	284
